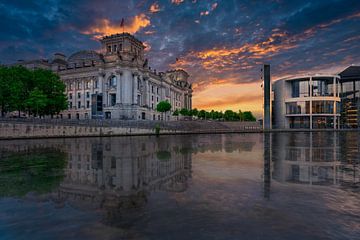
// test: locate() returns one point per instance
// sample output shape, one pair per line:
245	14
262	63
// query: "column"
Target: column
83	84
126	89
310	94
134	88
119	84
143	92
334	103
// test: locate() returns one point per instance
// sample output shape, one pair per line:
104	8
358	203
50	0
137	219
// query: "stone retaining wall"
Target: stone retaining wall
24	130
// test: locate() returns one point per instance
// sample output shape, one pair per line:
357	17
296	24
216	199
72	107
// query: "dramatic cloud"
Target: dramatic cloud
105	27
177	2
222	44
154	8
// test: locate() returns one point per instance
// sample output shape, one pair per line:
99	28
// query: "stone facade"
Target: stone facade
117	82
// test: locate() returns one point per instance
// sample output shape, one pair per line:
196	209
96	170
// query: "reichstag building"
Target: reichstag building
117	82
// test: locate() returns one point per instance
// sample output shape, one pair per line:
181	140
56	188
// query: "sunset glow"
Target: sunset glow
221	44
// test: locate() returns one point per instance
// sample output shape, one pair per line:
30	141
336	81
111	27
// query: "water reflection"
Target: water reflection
326	158
289	185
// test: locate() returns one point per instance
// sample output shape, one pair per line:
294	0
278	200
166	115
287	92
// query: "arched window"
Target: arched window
112	81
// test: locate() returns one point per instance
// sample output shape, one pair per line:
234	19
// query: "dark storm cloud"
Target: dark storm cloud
215	40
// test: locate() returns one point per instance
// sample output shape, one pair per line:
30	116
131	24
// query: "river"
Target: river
229	186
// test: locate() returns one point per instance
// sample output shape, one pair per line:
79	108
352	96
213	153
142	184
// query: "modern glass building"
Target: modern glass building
350	97
318	101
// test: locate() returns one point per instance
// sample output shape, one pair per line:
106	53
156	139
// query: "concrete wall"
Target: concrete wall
26	130
16	130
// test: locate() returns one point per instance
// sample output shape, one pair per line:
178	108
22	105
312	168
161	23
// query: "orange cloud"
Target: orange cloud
105	27
177	2
147	46
154	8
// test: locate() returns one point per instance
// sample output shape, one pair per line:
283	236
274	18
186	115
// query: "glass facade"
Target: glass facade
300	89
323	87
322	107
350	103
298	107
299	122
322	122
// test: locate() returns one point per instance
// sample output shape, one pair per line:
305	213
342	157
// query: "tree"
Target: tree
202	114
194	112
248	116
176	113
185	112
53	88
163	106
20	86
36	102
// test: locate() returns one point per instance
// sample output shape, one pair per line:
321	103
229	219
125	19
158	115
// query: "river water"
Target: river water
231	186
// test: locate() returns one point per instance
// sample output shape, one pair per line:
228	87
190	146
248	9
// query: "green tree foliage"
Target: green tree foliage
36	103
176	113
228	115
194	112
248	116
19	88
163	106
185	112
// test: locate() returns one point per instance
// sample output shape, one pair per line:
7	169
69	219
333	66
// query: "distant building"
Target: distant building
318	101
116	83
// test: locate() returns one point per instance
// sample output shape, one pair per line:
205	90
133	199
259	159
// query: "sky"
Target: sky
222	44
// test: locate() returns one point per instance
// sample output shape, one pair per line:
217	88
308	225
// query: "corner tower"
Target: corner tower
124	45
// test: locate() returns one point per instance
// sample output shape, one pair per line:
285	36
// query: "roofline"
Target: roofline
293	78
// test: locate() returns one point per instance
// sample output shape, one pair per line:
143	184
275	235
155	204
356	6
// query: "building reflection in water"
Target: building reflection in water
117	174
316	158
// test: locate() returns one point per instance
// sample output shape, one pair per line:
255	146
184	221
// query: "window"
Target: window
87	85
87	104
70	86
109	49
115	48
157	90
152	98
139	84
139	99
79	85
96	83
87	94
112	99
113	162
70	104
79	95
79	104
113	81
152	89
120	47
70	96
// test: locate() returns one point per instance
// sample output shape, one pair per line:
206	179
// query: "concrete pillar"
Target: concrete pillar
267	100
